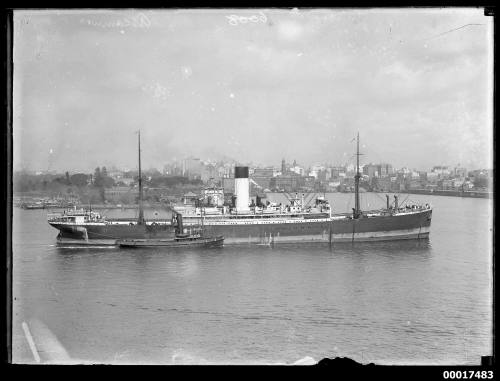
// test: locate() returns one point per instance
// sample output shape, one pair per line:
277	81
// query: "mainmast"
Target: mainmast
140	220
357	211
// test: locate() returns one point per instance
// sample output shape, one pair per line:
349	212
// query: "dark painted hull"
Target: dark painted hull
377	228
108	234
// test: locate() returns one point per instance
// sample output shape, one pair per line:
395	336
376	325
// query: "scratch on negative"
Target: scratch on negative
451	30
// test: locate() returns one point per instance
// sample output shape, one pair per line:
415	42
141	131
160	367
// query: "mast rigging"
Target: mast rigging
357	211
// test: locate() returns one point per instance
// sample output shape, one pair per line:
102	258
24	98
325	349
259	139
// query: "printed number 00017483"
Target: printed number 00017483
468	374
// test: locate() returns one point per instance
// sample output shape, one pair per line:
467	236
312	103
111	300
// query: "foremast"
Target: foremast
140	220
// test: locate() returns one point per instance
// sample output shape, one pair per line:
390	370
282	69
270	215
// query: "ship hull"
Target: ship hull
377	228
79	242
264	231
107	234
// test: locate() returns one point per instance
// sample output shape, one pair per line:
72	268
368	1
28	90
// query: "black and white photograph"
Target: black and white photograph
252	186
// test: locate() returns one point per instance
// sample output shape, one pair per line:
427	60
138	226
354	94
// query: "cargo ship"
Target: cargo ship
245	223
89	228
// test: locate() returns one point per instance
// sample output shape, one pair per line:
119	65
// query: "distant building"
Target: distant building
323	175
414	175
333	184
422	175
175	168
208	172
414	184
192	168
318	168
385	184
263	172
298	170
262	181
385	169
460	172
446	184
225	171
288	183
459	184
348	181
350	170
467	185
309	182
371	170
337	172
442	171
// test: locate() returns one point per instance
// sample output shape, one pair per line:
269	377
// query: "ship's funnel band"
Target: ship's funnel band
241	172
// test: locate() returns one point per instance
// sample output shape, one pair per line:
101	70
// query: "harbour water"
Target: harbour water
413	302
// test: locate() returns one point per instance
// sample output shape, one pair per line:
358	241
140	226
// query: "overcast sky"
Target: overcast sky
266	85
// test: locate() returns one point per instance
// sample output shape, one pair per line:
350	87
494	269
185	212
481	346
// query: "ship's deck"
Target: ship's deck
257	218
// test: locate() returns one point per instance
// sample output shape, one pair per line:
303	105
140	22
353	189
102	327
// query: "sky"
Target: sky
256	85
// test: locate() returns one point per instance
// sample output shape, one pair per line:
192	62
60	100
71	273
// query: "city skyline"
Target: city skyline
254	85
289	165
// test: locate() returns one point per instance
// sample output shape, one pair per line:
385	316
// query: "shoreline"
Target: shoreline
451	193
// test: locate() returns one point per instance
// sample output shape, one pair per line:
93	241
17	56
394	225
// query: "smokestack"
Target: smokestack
241	188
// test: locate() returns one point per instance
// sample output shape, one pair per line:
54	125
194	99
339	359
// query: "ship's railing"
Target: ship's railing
415	207
54	216
385	212
89	216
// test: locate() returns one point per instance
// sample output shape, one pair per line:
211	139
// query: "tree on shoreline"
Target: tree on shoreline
79	179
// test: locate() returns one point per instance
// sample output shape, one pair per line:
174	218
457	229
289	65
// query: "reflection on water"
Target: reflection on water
410	301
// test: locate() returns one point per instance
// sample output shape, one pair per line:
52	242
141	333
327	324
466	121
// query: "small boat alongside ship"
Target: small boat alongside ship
189	241
192	237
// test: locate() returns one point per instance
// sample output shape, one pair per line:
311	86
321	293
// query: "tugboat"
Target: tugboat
192	237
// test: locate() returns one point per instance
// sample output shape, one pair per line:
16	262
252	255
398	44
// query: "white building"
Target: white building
298	170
